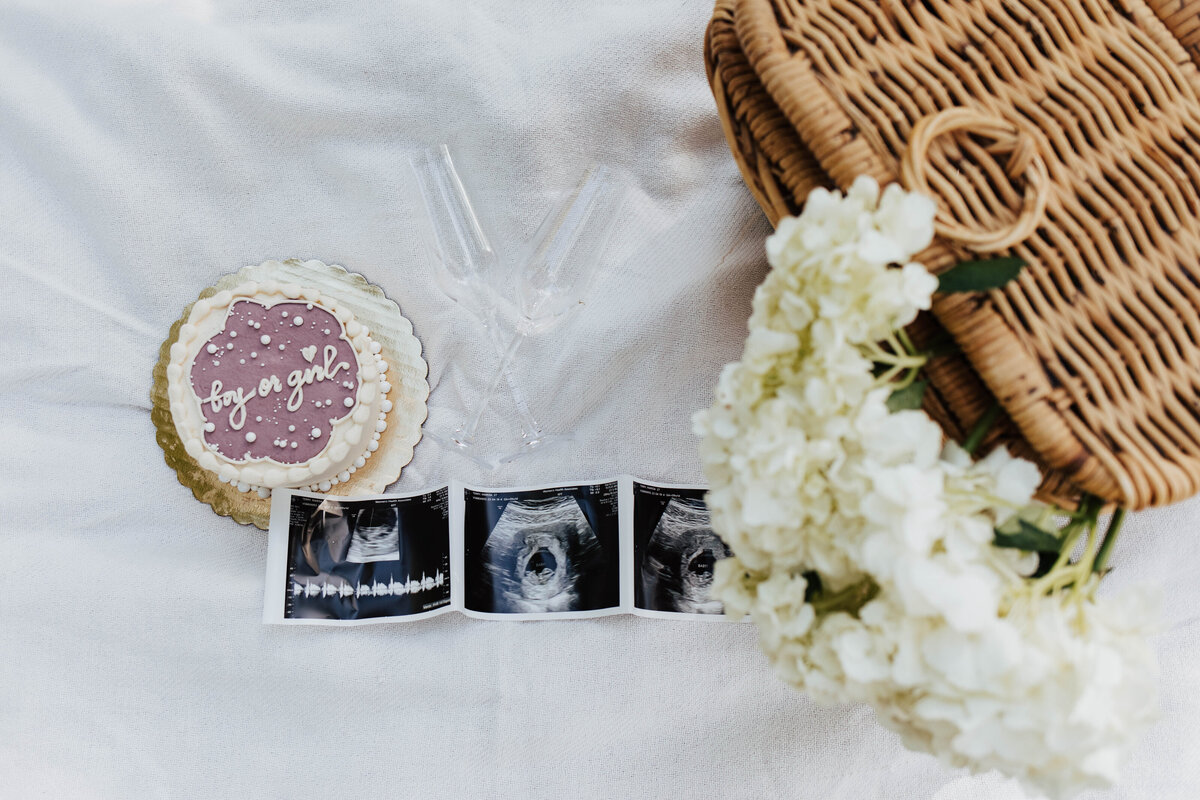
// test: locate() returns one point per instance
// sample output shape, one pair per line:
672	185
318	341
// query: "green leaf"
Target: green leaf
1029	538
850	599
979	276
907	398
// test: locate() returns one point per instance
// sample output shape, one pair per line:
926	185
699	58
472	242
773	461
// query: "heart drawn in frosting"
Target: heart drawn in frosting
309	352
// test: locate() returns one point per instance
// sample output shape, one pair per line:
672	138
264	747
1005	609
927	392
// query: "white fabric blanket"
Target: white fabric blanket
147	148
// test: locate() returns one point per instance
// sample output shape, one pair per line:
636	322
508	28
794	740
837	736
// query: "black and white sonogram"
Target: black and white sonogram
674	550
368	558
539	551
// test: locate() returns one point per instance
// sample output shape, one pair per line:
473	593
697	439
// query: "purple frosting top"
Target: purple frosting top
273	381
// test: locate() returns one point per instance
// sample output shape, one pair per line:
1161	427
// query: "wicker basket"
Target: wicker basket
1066	133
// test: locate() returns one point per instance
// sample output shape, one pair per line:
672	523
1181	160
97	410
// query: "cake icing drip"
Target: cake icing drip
273	381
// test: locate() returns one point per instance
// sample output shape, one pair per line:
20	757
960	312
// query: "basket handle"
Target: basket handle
1024	159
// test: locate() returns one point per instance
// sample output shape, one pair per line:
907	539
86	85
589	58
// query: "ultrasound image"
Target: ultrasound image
540	551
675	551
376	535
368	558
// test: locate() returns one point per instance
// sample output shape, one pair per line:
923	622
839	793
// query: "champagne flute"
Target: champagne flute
467	270
567	248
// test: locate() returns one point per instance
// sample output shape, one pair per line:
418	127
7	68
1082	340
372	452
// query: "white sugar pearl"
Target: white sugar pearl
372	446
383	367
265	339
381	426
308	306
327	331
385	406
285	313
343	476
241	361
376	347
233	334
250	437
223	478
294	445
216	363
264	492
280	347
315	433
353	470
291	428
243	487
324	486
209	427
254	354
212	348
229	346
334	481
297	320
348	402
375	436
358	462
385	387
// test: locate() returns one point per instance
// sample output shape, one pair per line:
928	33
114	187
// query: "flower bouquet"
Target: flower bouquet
887	566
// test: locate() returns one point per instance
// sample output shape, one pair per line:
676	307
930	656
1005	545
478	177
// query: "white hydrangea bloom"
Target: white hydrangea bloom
820	491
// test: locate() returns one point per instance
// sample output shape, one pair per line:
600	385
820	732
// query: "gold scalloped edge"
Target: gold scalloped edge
410	391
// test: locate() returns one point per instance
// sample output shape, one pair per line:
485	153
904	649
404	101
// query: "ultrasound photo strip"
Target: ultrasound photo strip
562	551
355	560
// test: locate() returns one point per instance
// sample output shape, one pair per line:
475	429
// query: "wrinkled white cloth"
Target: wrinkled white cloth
147	148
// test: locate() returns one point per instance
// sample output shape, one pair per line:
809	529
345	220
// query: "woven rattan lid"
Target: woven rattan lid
1065	133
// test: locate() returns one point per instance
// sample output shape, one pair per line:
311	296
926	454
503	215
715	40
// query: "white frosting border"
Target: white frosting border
352	439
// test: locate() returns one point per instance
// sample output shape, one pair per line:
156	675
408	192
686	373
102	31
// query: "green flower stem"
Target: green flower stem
880	356
975	437
887	377
901	364
1064	574
1110	538
908	379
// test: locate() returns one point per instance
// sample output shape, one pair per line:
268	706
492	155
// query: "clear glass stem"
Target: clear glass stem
532	428
502	369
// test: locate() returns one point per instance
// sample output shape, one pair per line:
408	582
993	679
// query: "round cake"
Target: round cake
277	385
